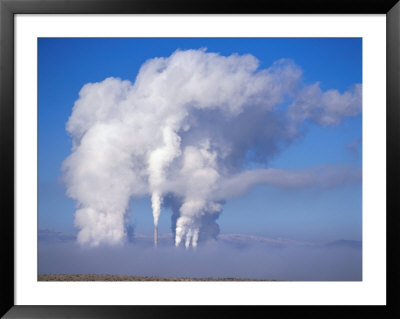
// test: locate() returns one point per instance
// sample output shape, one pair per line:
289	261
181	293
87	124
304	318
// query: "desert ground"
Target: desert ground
106	277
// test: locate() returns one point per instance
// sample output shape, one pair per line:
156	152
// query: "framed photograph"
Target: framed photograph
167	154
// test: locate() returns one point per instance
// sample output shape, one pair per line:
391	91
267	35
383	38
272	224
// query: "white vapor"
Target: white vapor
326	108
322	177
186	128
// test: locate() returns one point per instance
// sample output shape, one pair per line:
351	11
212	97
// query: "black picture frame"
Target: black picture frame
8	8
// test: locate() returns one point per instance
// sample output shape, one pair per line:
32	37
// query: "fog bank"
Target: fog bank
231	256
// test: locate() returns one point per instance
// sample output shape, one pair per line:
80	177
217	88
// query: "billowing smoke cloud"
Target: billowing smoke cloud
187	128
326	108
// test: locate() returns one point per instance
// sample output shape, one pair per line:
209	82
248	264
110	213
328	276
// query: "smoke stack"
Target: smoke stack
155	236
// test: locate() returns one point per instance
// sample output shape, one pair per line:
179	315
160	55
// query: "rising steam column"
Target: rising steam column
155	236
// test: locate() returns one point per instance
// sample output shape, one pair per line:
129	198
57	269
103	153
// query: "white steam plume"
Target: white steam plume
159	160
187	126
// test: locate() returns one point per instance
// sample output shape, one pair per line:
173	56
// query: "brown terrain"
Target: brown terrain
105	277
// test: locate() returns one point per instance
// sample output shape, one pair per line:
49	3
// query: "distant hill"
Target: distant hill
236	240
345	243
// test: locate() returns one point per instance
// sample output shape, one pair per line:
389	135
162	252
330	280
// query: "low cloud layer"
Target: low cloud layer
232	256
183	133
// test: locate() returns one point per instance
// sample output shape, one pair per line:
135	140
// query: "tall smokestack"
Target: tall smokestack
155	236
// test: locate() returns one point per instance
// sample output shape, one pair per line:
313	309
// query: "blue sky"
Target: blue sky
309	214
